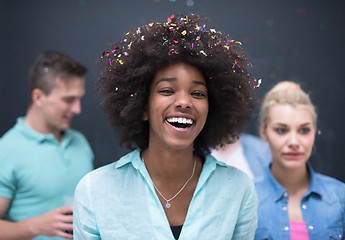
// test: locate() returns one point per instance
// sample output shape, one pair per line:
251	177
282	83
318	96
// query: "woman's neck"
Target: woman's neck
168	164
294	180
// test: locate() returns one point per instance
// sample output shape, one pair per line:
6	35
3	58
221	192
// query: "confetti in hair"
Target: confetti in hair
143	51
257	83
179	34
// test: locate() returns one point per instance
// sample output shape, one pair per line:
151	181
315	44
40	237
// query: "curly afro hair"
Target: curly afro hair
130	65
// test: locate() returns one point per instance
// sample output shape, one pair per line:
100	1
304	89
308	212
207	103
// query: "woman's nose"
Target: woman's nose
293	140
183	100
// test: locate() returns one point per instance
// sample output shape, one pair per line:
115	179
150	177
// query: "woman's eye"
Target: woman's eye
166	91
304	130
198	94
280	130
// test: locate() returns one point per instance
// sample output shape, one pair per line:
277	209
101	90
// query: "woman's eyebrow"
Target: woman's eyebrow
172	79
305	124
198	82
166	80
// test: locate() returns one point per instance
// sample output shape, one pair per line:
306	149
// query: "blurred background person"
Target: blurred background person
294	201
41	158
249	153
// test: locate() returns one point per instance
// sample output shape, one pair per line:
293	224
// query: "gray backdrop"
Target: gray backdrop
295	40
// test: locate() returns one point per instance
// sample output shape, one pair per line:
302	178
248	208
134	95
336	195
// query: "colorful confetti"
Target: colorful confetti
179	35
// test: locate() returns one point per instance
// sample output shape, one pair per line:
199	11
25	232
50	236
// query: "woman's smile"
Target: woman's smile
178	98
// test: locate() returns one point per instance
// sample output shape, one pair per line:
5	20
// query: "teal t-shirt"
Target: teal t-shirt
37	172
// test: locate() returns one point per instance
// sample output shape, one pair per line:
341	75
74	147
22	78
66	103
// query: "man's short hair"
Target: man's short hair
51	65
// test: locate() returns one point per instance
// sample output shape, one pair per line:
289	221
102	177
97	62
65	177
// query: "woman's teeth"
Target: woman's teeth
180	122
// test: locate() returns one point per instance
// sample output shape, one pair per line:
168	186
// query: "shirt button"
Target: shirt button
304	206
284	208
340	236
311	227
286	228
285	194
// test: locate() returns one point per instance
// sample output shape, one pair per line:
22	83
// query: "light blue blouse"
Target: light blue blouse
118	201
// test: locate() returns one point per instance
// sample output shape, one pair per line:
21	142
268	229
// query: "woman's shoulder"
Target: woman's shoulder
330	189
329	183
98	173
229	173
111	170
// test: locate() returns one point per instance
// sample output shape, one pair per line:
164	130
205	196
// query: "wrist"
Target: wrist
31	227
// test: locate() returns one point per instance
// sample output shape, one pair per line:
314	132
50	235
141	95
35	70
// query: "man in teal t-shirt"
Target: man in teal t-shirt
41	158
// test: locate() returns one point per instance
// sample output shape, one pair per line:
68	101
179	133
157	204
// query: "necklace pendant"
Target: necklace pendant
167	205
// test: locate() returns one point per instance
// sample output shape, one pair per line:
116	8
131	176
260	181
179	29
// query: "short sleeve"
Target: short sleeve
7	176
84	222
247	218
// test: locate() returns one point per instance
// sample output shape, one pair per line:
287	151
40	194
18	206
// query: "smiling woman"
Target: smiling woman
302	204
178	95
174	90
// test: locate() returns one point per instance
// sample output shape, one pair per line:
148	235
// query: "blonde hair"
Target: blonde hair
286	92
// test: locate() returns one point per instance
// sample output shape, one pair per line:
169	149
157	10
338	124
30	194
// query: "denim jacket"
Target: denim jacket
323	207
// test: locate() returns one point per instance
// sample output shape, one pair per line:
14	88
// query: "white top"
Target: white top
233	155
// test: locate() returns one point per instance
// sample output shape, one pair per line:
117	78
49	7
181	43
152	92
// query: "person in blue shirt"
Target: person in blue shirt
41	158
249	153
172	90
294	201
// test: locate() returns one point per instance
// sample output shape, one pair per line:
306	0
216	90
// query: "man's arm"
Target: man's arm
53	223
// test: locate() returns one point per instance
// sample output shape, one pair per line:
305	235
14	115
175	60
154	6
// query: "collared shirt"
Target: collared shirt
322	206
118	201
37	172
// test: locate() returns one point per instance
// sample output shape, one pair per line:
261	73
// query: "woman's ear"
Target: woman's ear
263	132
145	116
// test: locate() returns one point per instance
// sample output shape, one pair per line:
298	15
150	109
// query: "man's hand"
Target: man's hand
55	222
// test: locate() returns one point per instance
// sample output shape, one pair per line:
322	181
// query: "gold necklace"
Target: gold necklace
168	205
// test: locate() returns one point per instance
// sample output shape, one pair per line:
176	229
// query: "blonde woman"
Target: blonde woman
295	202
